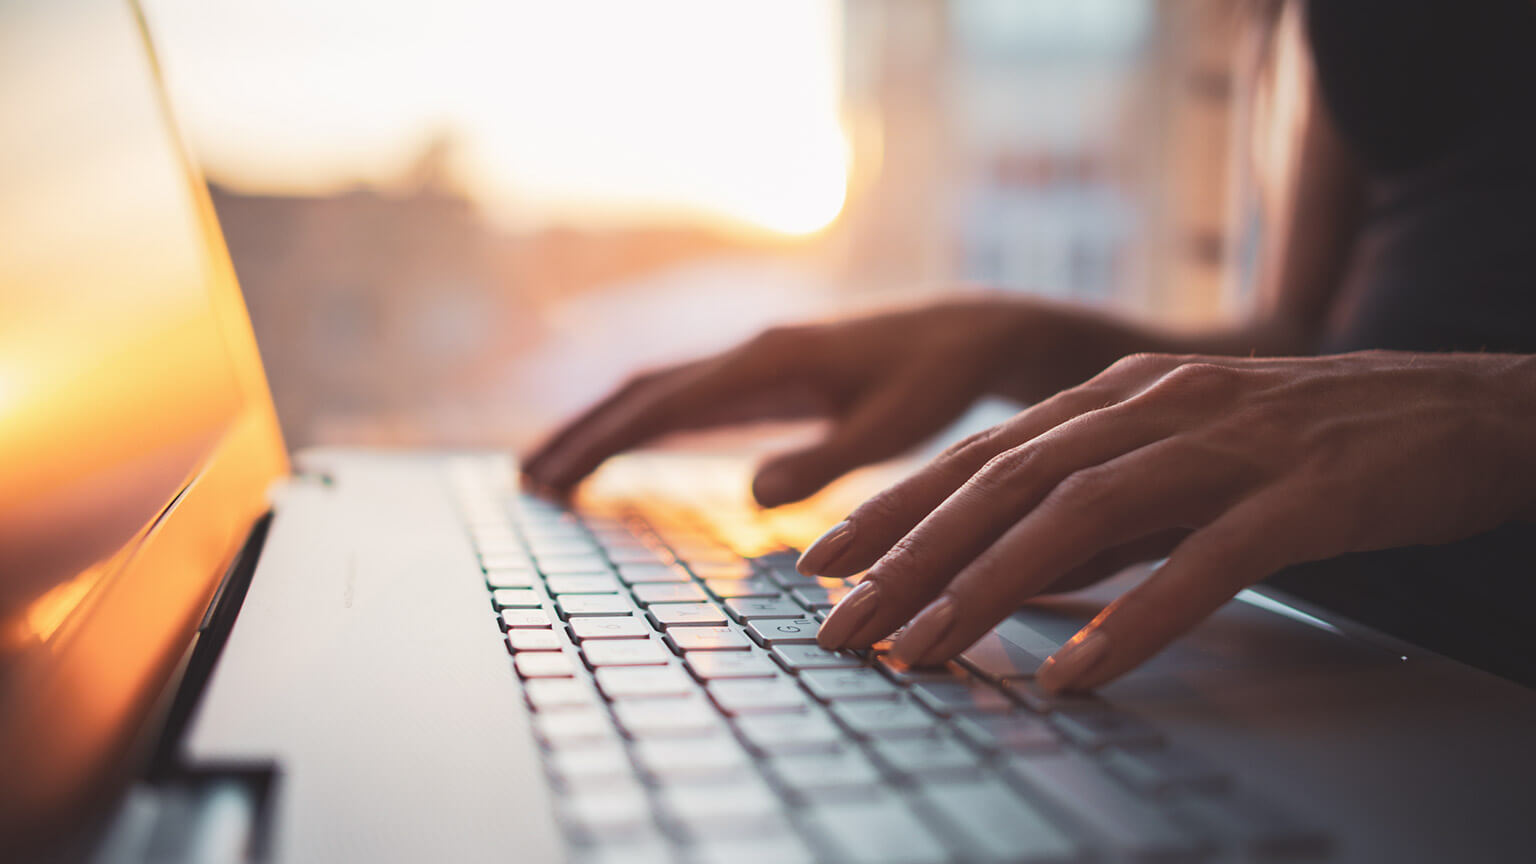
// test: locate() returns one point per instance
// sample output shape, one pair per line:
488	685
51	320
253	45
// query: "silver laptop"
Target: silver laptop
211	655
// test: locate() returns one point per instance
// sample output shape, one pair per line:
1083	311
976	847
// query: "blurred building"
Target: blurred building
380	308
1076	149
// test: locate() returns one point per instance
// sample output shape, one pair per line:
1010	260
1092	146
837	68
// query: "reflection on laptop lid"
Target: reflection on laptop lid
137	436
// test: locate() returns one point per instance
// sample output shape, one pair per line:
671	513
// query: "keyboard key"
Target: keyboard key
667	758
581	565
1041	702
534	640
847	770
998	659
725	589
639	574
644	682
830	685
684	639
584	765
1126	825
957	696
903	674
516	561
797	658
635	555
927	757
668	593
1156	771
516	598
728	571
707	665
603	627
510	578
749	696
605	813
783	631
1014	733
730	802
820	597
624	652
582	584
685	614
997	825
789	577
788	733
558	694
565	546
1095	730
567	728
879	719
575	605
777	849
689	716
745	609
875	832
702	554
544	664
519	618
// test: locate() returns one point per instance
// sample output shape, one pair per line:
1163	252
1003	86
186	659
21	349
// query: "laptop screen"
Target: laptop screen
127	376
115	382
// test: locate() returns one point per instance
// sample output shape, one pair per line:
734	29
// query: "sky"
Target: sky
580	111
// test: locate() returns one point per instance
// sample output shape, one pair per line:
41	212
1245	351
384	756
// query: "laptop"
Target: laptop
211	654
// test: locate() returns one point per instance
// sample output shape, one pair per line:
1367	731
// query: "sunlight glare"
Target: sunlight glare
585	111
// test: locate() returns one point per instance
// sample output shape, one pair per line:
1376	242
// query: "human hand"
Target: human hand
887	382
1234	468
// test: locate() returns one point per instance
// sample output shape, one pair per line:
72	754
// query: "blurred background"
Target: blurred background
456	222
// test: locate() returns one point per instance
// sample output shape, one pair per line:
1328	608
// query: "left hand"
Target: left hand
1233	468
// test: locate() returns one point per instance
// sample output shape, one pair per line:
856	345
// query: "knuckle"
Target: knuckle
1003	469
974	449
1198	378
1139	362
1087	489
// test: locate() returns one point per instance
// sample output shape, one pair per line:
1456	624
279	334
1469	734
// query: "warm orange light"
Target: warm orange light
590	110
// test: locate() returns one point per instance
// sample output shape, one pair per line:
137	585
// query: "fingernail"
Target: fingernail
931	625
826	549
848	616
1073	661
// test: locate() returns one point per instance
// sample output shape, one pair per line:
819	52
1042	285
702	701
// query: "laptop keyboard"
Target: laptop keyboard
685	713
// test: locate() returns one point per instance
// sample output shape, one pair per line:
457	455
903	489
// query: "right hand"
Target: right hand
886	381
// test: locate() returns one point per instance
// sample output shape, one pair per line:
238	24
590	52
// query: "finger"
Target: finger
1165	486
533	466
899	414
976	514
870	531
672	402
1244	545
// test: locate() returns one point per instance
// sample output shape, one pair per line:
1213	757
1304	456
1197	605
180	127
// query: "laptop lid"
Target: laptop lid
137	435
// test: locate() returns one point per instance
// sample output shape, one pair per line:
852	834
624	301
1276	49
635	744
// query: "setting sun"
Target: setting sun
592	112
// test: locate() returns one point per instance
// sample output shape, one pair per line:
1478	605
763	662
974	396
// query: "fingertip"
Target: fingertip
772	487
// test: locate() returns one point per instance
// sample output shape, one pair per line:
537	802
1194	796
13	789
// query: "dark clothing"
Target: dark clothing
1438	100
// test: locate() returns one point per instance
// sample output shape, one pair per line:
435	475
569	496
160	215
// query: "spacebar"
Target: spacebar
1128	826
